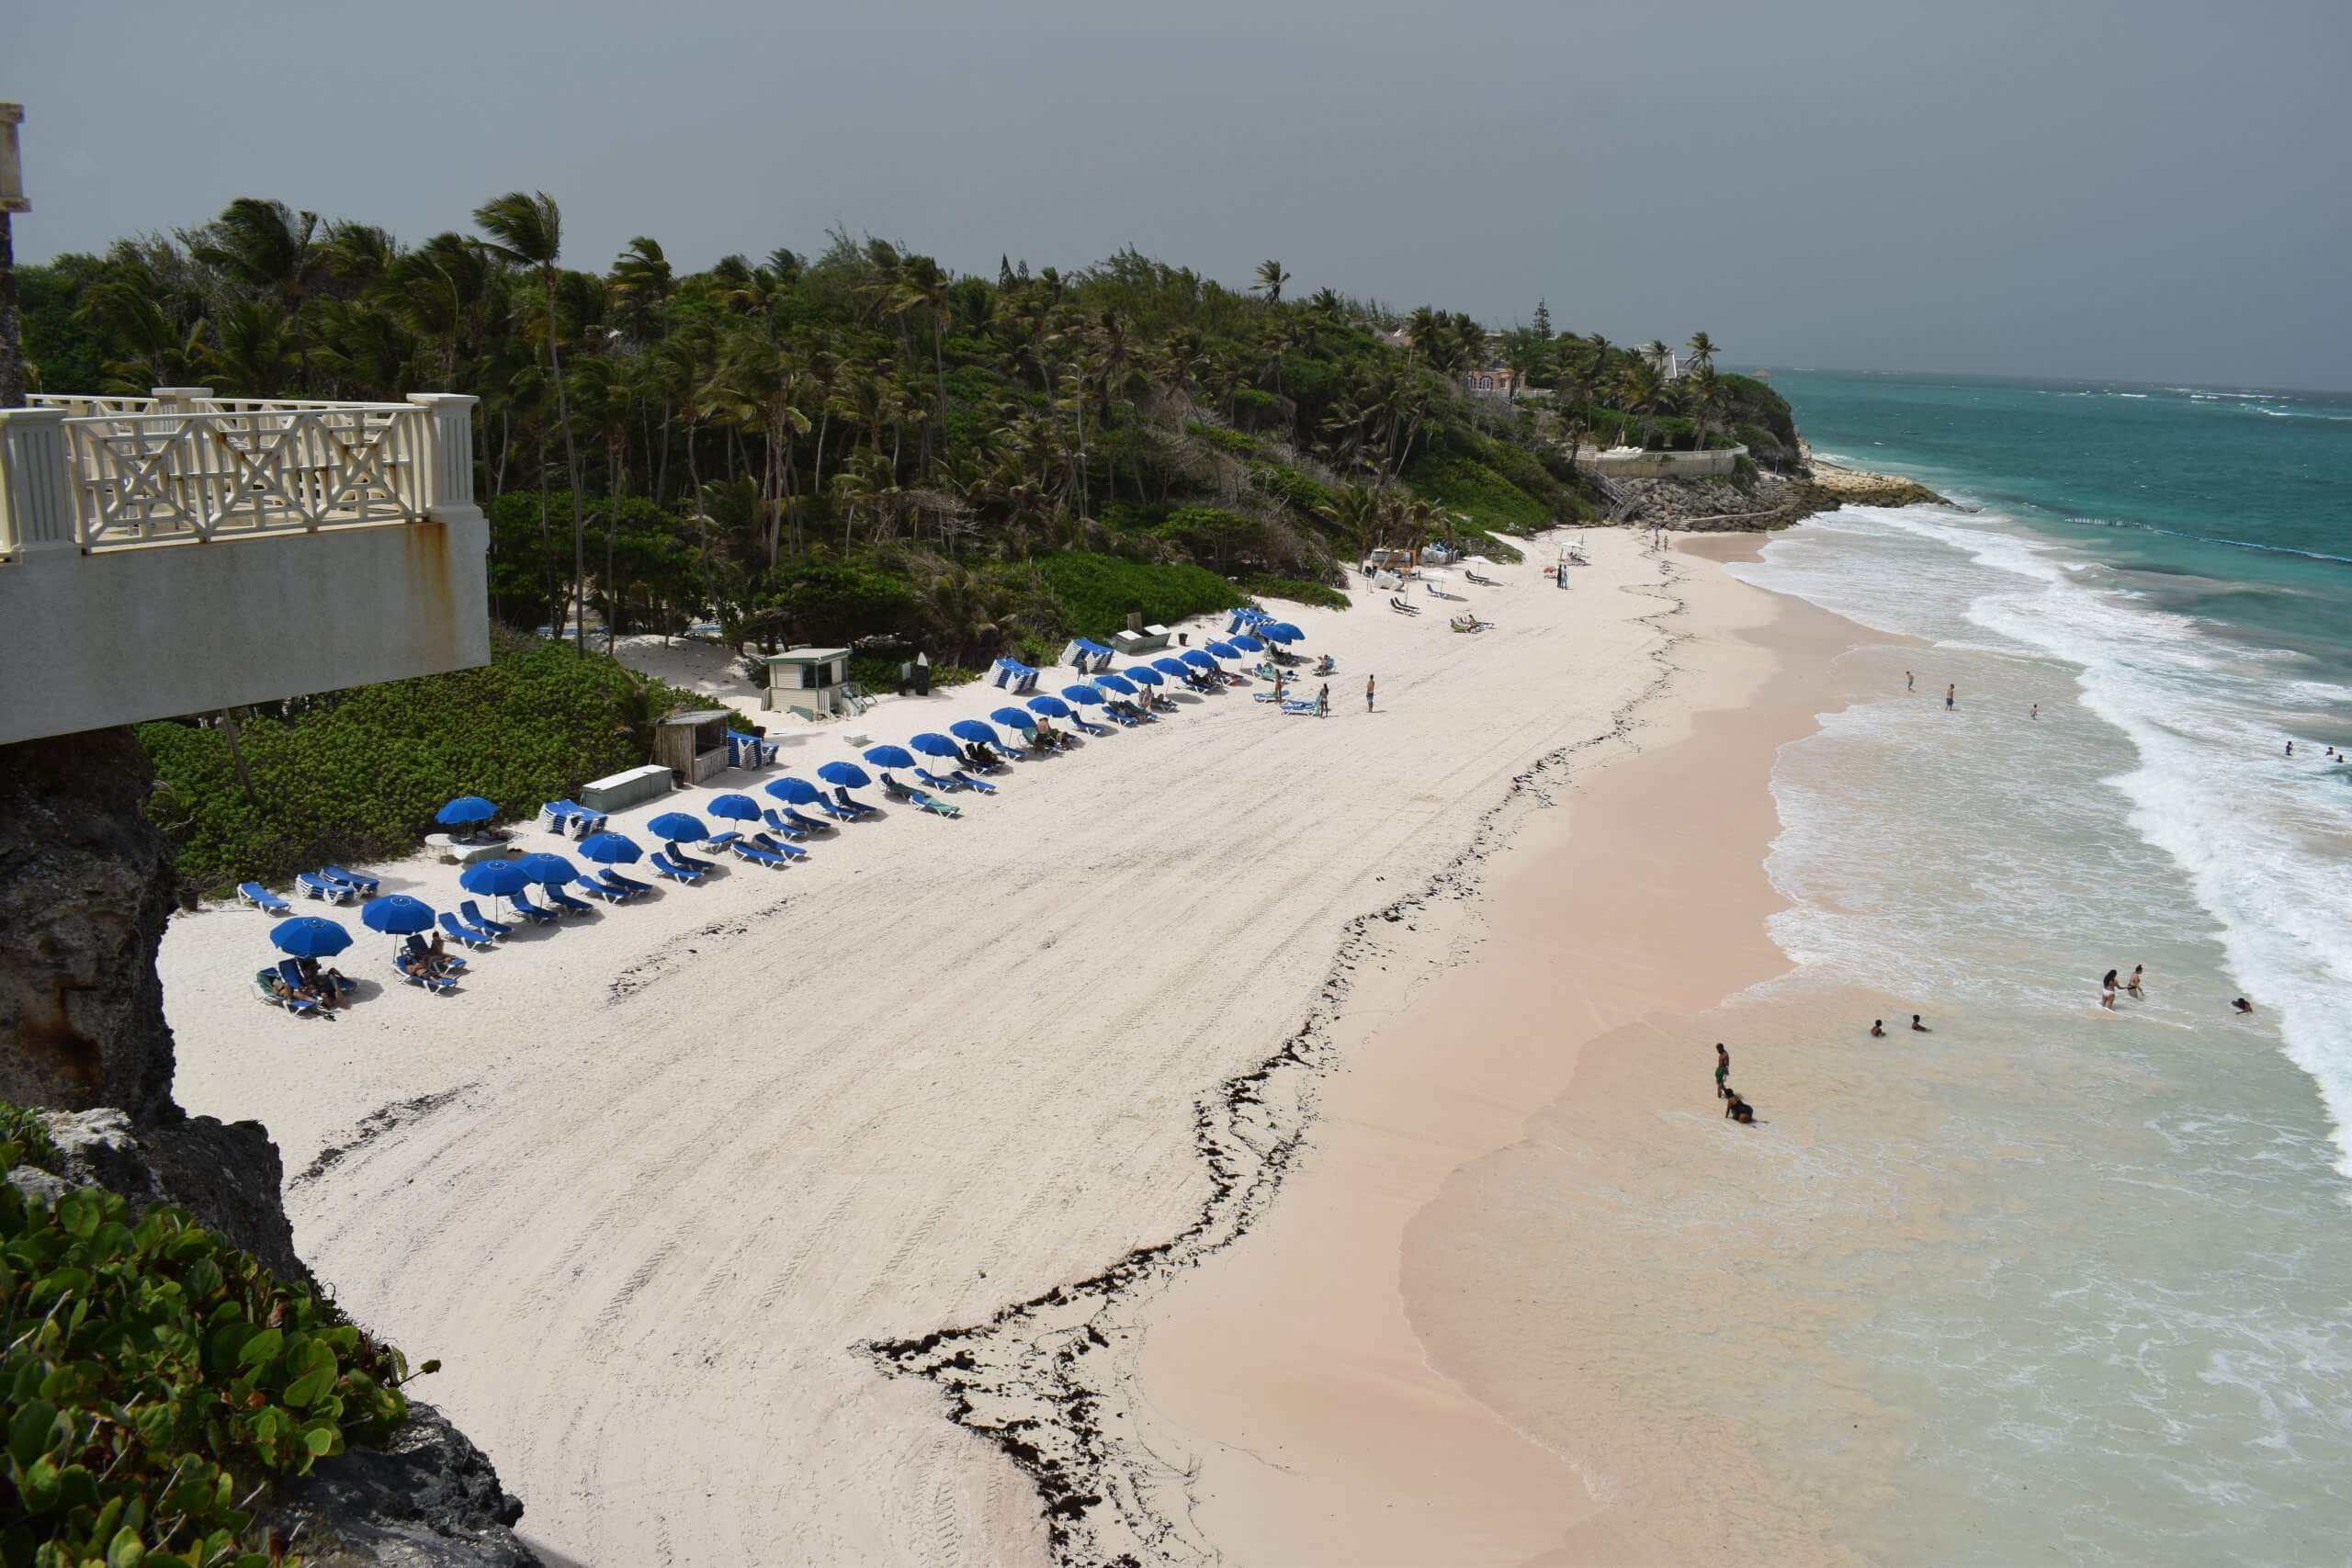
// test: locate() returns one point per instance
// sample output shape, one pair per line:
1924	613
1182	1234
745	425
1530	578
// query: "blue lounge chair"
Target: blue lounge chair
1298	704
945	786
261	899
852	809
562	900
784	827
679	857
466	933
318	887
671	869
829	810
479	921
968	782
745	849
521	899
566	816
717	843
440	984
775	847
448	960
291	972
1090	728
806	824
267	993
602	884
628	884
898	791
366	885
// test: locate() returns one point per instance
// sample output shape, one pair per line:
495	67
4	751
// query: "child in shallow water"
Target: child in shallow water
1739	1110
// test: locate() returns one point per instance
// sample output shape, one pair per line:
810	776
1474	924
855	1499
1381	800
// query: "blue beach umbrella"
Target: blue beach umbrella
734	807
1197	660
888	757
931	744
552	870
1281	631
1085	697
973	730
1223	650
496	878
1118	684
1013	718
609	848
792	791
466	808
1052	707
1169	666
677	827
1146	675
1249	644
849	775
308	936
396	914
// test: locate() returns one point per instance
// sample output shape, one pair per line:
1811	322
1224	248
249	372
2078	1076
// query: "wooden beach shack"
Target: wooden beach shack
693	745
807	681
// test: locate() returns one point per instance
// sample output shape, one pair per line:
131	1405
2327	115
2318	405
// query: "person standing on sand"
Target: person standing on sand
1910	682
1723	1071
2107	991
1367	693
1323	701
2133	985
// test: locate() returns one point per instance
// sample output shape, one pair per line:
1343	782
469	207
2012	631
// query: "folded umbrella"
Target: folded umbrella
793	792
396	914
309	936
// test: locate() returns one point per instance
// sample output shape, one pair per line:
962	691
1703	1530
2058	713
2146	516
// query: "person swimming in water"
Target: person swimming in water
1878	1029
1918	1028
2243	1005
2107	991
2133	985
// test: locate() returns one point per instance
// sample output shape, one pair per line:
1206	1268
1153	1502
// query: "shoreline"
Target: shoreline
1353	1423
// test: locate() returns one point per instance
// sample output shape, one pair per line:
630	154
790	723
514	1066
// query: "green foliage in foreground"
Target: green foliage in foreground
357	775
1094	593
26	1141
157	1380
1320	594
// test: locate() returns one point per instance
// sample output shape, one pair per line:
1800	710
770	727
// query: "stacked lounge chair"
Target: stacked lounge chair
318	887
366	886
563	817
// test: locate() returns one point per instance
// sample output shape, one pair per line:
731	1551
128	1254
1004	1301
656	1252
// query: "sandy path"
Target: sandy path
653	1182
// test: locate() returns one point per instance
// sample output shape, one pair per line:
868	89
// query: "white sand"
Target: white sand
651	1184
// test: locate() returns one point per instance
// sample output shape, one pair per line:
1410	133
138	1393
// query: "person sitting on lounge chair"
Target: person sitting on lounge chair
331	984
286	993
413	965
1324	666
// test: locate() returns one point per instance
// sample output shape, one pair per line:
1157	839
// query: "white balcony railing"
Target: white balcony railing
91	473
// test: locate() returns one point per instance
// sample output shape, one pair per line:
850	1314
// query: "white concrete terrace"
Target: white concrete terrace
180	553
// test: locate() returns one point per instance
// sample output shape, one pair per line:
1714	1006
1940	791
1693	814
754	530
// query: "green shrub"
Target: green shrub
1489	500
359	773
1239	443
1094	593
1291	486
26	1139
877	670
1322	595
158	1379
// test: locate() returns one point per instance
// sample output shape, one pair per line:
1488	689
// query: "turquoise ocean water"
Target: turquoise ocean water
2107	1296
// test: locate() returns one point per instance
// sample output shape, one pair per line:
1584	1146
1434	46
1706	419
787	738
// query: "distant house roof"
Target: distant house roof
807	655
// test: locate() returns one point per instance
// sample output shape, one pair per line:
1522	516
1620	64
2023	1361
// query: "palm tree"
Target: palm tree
527	230
271	250
1702	352
1271	278
923	285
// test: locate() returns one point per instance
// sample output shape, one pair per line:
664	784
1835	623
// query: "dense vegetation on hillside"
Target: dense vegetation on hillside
861	443
158	1379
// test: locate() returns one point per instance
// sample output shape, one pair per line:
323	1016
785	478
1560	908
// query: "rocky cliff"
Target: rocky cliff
85	888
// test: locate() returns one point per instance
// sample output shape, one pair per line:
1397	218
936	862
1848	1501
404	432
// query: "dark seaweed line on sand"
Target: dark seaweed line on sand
1035	1353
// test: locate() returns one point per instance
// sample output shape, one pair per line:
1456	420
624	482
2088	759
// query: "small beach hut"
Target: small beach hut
693	745
807	681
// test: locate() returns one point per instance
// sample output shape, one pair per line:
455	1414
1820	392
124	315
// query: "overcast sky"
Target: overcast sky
2153	190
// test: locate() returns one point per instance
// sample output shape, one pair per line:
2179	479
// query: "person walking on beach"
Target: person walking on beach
1367	693
1951	693
1323	701
1910	682
2133	985
1723	1071
2107	991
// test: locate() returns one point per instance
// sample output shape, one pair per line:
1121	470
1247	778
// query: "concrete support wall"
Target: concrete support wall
123	636
1719	464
